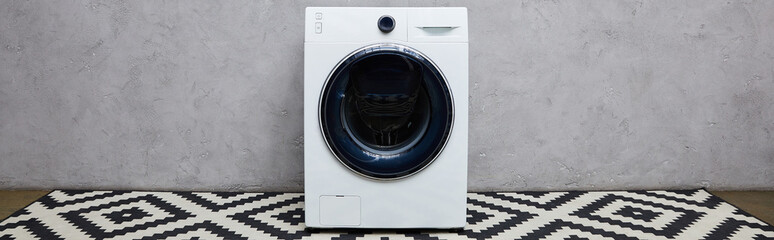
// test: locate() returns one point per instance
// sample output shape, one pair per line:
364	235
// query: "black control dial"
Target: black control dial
386	23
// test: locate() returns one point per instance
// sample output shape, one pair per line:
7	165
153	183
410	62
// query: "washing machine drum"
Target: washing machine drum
386	111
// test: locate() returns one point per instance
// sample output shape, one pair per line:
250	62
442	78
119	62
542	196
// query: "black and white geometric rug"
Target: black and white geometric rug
693	214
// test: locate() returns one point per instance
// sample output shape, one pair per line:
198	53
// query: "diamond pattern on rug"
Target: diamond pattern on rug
146	212
217	201
126	215
502	218
691	214
670	222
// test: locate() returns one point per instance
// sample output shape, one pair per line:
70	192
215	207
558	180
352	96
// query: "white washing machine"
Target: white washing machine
385	117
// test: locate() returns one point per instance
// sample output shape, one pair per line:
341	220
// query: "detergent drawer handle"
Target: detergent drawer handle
442	27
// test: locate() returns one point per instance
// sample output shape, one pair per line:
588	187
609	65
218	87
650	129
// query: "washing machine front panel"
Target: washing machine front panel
334	195
386	111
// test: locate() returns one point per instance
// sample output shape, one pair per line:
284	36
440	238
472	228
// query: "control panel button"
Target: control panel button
386	23
318	27
318	16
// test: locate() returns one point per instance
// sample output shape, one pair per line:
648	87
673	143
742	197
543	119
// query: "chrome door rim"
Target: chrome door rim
377	48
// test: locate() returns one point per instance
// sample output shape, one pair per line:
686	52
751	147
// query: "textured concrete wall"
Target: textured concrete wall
564	94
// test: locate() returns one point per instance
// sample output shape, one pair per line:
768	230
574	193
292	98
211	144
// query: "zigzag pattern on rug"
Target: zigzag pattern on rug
691	214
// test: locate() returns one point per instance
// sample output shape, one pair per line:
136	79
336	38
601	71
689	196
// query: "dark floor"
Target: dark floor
12	201
758	203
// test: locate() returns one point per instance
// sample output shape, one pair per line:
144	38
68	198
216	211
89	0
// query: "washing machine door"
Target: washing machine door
386	111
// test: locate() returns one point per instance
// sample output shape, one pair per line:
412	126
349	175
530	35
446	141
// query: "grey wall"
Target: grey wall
563	94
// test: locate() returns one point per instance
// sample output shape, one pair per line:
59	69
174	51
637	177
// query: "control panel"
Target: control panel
326	24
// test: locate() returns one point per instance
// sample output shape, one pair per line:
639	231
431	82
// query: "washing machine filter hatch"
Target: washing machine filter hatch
386	111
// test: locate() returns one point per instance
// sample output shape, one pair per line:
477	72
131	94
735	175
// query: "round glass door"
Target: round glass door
386	111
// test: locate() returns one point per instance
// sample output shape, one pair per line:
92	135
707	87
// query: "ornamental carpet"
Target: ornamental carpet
687	214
